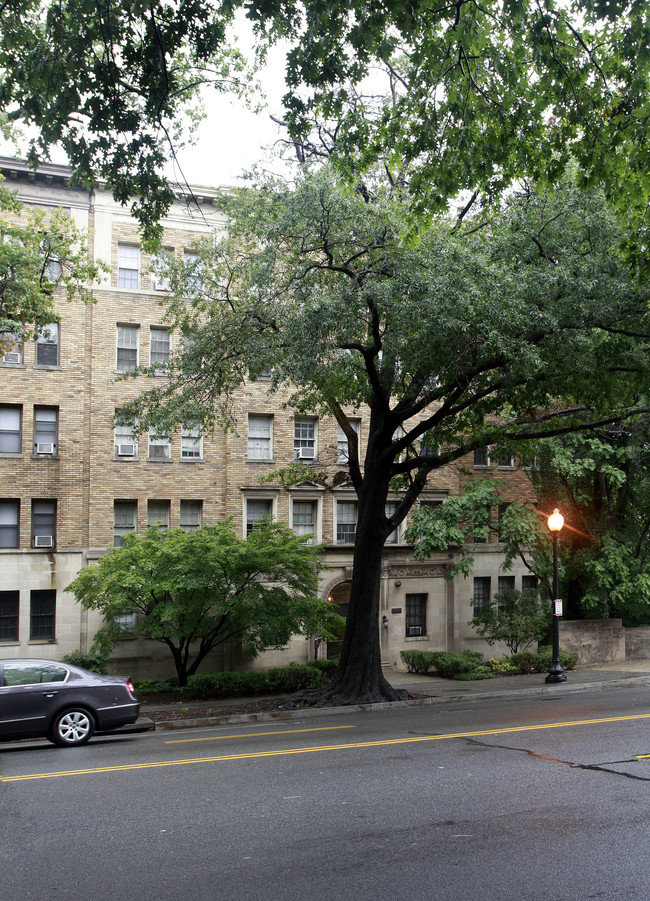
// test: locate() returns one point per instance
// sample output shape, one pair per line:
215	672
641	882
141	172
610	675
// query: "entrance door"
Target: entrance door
340	600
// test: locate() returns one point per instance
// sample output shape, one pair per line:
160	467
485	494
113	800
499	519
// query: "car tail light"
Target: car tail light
129	686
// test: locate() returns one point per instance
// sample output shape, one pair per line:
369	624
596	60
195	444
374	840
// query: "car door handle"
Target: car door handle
49	694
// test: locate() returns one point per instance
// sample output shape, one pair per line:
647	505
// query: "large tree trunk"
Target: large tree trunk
359	679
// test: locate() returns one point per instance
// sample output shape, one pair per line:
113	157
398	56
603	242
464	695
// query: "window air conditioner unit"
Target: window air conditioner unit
44	448
306	453
11	358
414	630
43	541
126	450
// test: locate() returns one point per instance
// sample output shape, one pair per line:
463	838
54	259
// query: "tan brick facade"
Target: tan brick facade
88	473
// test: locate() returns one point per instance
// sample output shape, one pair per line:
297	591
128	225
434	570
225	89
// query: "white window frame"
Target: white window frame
305	441
156	507
342	454
186	522
160	261
191	443
260	439
350	502
395	536
123	437
313	496
126	331
252	495
159	441
9	414
163	357
10	520
50	336
193	272
11	348
128	276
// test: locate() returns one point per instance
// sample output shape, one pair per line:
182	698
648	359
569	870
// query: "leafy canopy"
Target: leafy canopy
39	252
196	590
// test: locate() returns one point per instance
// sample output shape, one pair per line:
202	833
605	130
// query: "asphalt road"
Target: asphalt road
544	799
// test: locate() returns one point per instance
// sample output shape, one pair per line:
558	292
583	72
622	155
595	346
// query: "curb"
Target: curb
163	725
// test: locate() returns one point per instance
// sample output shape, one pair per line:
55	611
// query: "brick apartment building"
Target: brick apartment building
71	484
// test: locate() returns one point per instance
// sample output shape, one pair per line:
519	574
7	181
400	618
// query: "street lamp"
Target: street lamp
556	673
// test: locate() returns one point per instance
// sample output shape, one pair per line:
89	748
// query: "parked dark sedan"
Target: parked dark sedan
66	704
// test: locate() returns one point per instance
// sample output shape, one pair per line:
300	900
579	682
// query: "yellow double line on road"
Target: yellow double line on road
312	750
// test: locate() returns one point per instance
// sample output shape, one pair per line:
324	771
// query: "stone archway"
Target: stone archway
339	597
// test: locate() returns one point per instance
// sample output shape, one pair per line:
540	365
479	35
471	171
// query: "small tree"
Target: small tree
196	590
514	618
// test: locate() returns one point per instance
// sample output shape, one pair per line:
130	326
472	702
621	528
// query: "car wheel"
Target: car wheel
72	727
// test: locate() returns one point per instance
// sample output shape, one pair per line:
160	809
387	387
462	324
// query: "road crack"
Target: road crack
596	767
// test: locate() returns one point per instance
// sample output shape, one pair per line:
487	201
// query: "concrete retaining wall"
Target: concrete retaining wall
595	640
637	643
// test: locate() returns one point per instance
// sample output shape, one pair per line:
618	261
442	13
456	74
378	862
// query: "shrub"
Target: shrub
326	667
501	666
529	662
474	675
448	666
419	662
96	663
295	677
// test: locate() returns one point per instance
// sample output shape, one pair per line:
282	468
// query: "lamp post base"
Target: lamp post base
555	676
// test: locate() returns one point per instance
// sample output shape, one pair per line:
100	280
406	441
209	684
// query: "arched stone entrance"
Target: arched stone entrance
339	597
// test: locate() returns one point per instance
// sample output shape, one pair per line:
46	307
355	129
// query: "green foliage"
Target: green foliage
326	667
195	590
529	662
419	662
446	665
93	662
278	680
516	619
501	666
39	252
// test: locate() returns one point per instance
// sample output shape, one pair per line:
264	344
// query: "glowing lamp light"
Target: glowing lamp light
555	521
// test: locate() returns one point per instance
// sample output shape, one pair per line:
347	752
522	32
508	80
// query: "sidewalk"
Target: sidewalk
426	689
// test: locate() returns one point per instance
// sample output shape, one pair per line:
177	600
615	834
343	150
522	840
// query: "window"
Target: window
342	455
260	437
393	538
160	345
9	523
303	519
11	349
193	273
128	266
125	517
505	461
416	615
158	511
504	584
191	515
481	592
54	267
159	447
33	673
191	443
9	605
10	430
159	271
126	441
346	522
304	439
46	425
528	583
125	622
42	614
44	524
47	345
127	347
257	510
481	456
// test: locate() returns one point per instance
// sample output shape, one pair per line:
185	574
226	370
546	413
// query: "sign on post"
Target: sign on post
558	608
